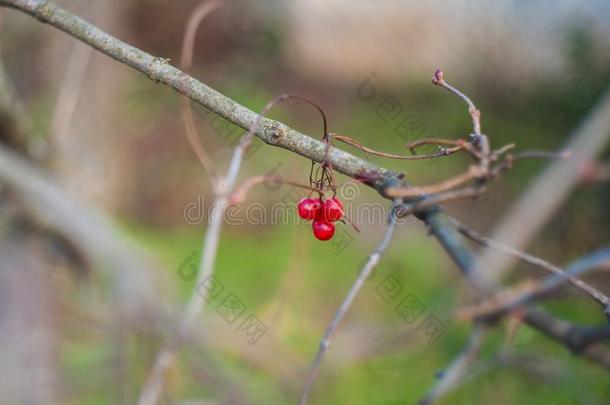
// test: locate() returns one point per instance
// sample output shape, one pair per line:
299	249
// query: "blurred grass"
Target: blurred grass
405	372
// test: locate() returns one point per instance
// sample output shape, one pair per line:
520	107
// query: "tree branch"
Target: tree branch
597	295
161	71
494	307
152	390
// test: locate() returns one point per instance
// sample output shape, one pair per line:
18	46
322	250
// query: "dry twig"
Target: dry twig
186	112
513	299
470	233
457	146
152	390
366	270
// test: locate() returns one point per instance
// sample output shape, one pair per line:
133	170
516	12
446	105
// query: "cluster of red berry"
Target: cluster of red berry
323	213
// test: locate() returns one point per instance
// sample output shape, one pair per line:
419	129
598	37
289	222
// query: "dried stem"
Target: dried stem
532	260
371	263
479	139
69	91
441	153
494	307
439	80
453	182
152	389
436	199
546	194
412	146
442	191
242	192
186	112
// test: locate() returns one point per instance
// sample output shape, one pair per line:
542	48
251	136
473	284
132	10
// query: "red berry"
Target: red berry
323	230
333	209
309	208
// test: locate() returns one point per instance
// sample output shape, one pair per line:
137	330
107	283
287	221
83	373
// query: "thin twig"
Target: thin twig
480	139
454	373
475	172
507	163
494	307
435	199
439	80
546	194
186	112
472	173
441	153
69	91
152	389
371	263
470	233
495	155
242	191
412	146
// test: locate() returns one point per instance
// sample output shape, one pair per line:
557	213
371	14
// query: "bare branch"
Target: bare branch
546	194
159	69
472	173
441	153
439	80
479	139
69	90
186	112
242	191
495	307
152	390
429	202
532	260
580	340
371	263
560	331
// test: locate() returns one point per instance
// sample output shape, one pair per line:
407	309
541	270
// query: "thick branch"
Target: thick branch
161	71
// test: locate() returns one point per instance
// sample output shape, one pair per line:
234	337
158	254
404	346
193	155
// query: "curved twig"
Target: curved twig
186	112
242	191
493	307
152	389
441	153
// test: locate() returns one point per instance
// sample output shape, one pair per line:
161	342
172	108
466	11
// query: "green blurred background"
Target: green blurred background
535	71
